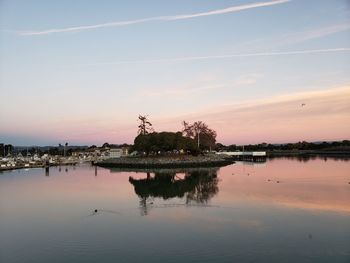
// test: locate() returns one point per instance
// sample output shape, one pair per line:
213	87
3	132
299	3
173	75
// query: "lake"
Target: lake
284	210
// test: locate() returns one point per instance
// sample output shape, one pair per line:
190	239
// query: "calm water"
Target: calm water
284	210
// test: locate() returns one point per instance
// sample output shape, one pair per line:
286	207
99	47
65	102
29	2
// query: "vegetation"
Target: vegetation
164	142
111	146
145	126
5	149
201	133
193	138
299	146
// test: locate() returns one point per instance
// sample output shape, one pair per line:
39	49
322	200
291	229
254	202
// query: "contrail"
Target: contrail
227	10
193	58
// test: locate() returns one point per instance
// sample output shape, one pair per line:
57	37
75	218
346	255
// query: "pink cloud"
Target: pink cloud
326	116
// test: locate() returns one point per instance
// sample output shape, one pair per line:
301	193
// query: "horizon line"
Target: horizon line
119	144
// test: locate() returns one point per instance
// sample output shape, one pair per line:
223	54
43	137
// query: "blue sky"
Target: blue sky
88	85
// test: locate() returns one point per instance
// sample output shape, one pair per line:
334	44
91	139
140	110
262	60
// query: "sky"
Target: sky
82	71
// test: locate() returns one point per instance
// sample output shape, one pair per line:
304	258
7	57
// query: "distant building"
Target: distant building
115	153
118	152
125	151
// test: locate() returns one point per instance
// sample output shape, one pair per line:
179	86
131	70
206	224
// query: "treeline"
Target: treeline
5	149
194	138
299	146
163	142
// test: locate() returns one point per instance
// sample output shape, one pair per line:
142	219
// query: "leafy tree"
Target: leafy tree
163	142
106	145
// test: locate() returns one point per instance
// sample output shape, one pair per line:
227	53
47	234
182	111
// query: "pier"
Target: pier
246	156
15	165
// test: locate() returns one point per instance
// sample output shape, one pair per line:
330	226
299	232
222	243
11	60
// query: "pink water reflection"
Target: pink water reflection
316	184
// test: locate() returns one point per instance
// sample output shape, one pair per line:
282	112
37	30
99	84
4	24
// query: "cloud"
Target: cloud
231	9
200	87
311	34
228	10
326	116
225	56
276	119
291	38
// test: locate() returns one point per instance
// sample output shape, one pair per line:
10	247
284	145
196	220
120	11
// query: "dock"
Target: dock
246	156
36	165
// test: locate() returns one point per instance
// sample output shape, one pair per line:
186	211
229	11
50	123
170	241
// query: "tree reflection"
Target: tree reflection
196	186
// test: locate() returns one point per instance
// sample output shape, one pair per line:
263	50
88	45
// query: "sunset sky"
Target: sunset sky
81	71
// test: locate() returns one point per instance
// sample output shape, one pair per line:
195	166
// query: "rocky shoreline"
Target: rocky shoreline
180	161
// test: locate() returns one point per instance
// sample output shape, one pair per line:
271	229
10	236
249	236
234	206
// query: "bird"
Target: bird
303	105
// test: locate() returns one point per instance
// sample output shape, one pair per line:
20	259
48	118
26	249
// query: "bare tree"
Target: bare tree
145	126
187	129
200	131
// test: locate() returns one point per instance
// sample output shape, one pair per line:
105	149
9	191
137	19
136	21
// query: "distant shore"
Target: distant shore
18	167
297	153
180	161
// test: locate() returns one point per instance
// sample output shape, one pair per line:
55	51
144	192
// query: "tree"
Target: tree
163	142
65	148
145	126
59	149
201	133
106	145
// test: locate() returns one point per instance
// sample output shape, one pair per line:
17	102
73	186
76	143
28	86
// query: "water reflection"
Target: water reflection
47	171
310	157
195	186
236	214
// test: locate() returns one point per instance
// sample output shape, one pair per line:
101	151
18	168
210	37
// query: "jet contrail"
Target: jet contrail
227	10
193	58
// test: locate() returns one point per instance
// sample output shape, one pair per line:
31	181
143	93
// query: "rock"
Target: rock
177	161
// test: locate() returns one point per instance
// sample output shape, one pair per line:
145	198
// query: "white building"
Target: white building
117	153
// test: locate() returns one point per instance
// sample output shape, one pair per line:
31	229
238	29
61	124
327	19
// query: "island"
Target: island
189	148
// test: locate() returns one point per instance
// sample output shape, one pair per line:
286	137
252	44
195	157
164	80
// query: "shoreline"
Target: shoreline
183	161
163	170
308	153
12	168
